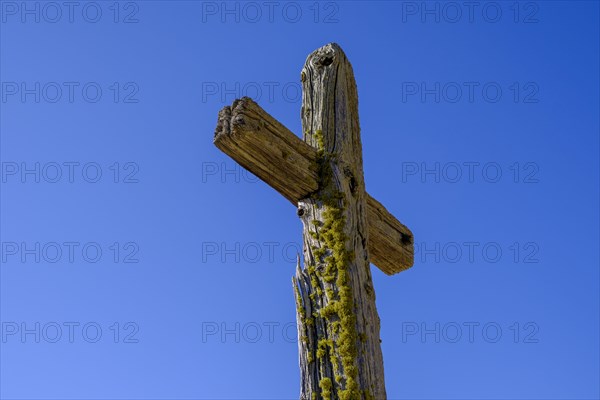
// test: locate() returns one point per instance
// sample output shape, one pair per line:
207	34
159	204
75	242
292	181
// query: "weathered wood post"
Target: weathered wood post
338	324
343	227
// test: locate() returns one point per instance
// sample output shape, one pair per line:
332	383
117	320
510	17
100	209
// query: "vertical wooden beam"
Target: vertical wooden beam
338	324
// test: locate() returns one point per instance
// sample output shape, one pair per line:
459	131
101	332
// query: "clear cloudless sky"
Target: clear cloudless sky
139	262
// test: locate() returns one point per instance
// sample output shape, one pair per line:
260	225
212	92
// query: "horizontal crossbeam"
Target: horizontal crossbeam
269	150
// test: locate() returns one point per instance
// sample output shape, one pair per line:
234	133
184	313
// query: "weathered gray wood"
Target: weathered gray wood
343	227
269	150
338	324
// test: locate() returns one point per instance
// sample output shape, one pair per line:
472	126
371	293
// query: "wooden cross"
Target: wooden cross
344	228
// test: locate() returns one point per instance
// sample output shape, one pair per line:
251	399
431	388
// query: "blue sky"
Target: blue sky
138	261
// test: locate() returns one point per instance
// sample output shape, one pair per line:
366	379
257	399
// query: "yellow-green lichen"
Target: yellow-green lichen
298	296
325	385
333	253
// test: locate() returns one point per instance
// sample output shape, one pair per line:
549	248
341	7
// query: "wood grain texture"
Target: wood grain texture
343	344
262	145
